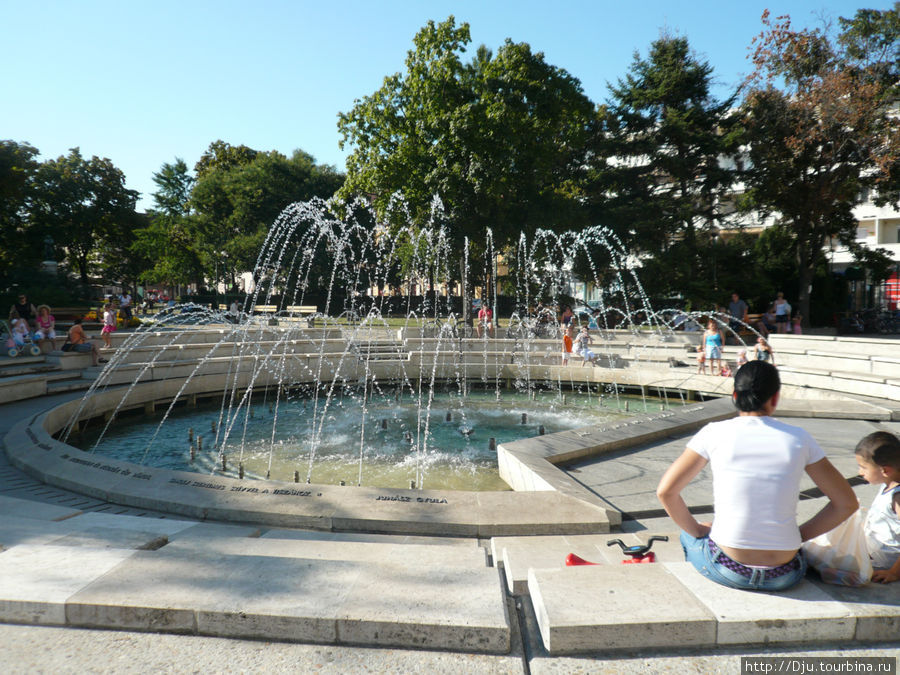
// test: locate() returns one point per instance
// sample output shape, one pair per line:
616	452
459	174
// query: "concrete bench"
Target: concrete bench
300	309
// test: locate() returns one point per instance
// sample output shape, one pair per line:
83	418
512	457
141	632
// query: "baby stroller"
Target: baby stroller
12	349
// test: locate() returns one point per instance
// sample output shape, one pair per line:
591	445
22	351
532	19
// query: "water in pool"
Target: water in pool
389	443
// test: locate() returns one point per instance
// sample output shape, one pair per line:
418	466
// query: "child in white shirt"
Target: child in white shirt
878	457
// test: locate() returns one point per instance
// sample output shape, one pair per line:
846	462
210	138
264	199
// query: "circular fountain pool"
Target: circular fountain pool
388	443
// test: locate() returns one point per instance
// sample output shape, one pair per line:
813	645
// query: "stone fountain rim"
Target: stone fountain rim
554	504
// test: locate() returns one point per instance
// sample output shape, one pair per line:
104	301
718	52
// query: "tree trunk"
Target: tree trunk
803	297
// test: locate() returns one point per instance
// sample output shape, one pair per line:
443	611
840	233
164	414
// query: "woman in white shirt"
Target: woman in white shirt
757	463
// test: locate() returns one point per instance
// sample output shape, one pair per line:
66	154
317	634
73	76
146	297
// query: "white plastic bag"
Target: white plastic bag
841	555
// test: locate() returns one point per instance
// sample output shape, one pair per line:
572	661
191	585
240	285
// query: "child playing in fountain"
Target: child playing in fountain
878	457
109	324
701	360
567	343
581	346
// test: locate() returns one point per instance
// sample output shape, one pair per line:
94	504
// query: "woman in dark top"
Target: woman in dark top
22	309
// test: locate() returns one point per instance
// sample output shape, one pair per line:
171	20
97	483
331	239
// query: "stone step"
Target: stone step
76	383
29	366
213	530
594	608
35	510
19	361
402	555
92	530
519	554
272	598
806	613
20	387
669	604
318	535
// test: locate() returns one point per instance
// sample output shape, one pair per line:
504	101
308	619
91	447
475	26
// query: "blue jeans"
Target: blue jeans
696	552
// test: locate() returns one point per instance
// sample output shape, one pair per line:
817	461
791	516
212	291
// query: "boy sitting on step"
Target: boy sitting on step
878	457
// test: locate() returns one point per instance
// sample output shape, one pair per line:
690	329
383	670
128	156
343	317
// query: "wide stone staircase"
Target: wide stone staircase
668	605
24	377
65	567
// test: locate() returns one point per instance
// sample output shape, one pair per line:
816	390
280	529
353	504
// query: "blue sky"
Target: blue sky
143	82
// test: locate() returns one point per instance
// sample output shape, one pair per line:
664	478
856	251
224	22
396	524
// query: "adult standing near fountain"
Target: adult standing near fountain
738	309
713	343
757	463
782	313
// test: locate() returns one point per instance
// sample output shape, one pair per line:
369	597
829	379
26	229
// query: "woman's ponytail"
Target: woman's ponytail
754	384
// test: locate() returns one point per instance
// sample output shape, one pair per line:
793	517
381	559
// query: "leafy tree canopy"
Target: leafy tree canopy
214	224
835	137
17	171
80	203
659	178
501	139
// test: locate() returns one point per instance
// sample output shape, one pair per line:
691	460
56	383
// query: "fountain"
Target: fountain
357	354
321	398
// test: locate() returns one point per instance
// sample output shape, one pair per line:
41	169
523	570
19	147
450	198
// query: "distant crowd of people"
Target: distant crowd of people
36	325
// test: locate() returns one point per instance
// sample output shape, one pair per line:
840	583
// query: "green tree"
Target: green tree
871	41
815	143
169	238
81	203
174	185
222	155
659	179
238	195
501	140
18	166
123	261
